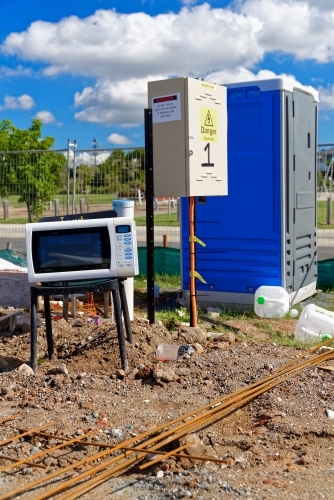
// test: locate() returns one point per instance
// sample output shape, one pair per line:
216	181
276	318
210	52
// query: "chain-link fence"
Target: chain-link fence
71	181
325	197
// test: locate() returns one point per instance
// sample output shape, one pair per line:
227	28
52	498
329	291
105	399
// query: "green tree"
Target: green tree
34	176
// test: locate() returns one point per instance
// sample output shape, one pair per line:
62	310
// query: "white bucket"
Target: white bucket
271	302
314	325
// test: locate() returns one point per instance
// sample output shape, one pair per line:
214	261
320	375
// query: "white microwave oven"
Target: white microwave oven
86	249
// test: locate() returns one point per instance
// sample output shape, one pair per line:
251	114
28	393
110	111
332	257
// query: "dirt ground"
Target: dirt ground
279	445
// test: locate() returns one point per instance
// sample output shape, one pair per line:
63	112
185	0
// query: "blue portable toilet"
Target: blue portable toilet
264	231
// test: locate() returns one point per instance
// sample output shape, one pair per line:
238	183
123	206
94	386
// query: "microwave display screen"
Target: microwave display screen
124	228
63	250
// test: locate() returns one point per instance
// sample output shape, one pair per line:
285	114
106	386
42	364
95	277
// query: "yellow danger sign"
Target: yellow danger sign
209	125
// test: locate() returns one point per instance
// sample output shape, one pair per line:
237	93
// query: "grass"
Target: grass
160	220
171	282
322	215
172	318
18	220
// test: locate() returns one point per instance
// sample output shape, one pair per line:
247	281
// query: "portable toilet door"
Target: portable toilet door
304	112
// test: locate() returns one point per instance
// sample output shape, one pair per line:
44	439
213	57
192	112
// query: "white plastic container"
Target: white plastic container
167	352
271	302
314	325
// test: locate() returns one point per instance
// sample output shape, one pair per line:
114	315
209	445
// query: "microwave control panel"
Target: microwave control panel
126	250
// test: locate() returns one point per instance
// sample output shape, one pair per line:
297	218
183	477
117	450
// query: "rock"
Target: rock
160	473
192	335
81	375
145	372
78	322
27	370
329	413
136	330
49	461
116	433
214	315
213	310
198	448
120	374
164	375
58	370
133	374
225	337
21	322
34	449
7	391
198	348
26	471
143	321
324	349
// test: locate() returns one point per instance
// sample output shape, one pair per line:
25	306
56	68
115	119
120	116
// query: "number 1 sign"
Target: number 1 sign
189	137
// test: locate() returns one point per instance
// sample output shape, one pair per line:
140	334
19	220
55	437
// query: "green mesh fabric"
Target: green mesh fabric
166	261
326	273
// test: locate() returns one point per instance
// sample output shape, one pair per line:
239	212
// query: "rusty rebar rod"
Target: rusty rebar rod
187	428
166	455
126	463
48	451
179	455
7	419
19	436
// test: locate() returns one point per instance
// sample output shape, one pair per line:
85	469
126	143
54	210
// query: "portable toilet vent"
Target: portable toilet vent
263	233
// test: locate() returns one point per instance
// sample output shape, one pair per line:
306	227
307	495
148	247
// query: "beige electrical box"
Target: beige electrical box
189	137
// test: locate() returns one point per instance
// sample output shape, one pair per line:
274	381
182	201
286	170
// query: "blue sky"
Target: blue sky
83	67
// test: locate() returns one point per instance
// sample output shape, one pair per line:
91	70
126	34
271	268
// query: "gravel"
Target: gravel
279	446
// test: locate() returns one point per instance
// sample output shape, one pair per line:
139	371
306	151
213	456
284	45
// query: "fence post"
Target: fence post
329	210
149	214
82	205
56	207
5	208
139	196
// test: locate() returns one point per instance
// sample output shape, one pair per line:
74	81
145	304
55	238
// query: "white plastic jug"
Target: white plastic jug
271	302
314	325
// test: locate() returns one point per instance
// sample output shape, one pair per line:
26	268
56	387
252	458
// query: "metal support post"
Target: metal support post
149	214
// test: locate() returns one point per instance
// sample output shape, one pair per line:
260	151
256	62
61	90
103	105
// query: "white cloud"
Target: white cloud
239	74
118	139
107	43
88	158
8	72
295	28
326	97
110	102
188	2
321	4
22	102
121	51
45	116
